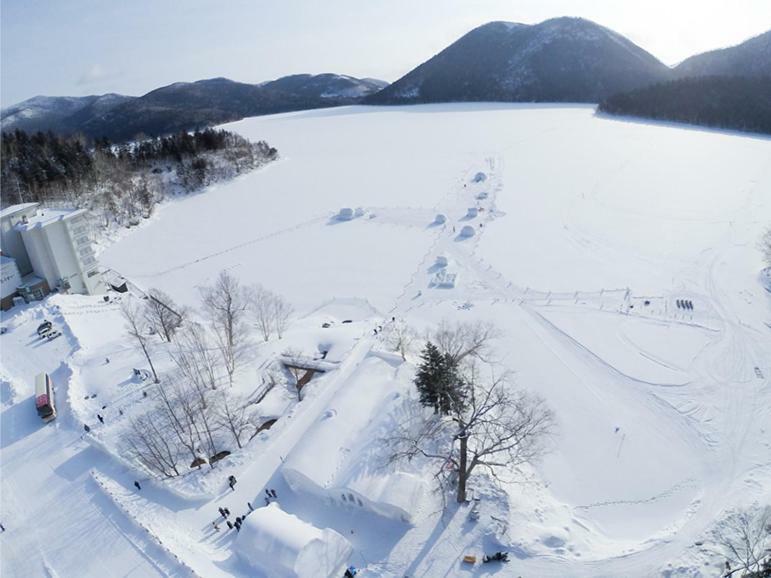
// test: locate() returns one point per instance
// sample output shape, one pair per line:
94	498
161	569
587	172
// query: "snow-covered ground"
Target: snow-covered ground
590	233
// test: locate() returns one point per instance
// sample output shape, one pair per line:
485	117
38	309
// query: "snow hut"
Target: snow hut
480	177
472	212
441	261
444	279
467	231
337	461
345	214
440	219
281	544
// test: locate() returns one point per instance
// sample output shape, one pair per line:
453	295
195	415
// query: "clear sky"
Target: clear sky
79	47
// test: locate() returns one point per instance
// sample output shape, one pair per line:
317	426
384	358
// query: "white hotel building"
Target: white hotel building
51	244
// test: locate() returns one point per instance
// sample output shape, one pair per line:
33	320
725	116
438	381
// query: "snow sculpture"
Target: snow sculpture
467	231
345	214
281	544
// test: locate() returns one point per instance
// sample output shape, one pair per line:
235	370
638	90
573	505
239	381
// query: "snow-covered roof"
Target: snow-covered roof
337	455
48	216
13	209
282	544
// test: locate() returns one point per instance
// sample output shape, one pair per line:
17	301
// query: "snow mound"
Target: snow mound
281	544
467	231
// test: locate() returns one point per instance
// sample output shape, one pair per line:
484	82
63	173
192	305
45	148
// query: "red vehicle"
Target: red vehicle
44	397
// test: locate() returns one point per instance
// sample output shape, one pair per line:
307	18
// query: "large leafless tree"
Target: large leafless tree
744	538
132	314
226	304
465	341
197	358
162	314
497	428
270	312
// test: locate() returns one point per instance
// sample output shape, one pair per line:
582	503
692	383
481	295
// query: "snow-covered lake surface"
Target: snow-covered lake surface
590	232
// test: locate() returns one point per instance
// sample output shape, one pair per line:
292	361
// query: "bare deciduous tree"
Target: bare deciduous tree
235	415
133	316
163	314
197	358
744	538
465	341
496	428
282	311
400	337
226	304
293	360
147	443
270	311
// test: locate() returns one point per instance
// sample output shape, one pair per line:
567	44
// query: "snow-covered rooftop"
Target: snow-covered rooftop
13	209
282	544
47	217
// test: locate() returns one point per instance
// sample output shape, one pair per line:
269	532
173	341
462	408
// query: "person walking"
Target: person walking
215	526
250	506
100	418
230	525
221	510
136	484
85	427
273	494
227	512
2	528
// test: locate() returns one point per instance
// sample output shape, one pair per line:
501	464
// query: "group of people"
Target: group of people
270	494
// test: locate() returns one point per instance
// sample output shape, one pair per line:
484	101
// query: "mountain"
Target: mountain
729	102
559	60
750	58
54	111
327	86
183	105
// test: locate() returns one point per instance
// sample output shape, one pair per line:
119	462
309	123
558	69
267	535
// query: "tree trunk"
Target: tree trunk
462	475
150	361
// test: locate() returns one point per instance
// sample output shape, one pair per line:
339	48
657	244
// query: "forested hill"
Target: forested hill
729	102
120	184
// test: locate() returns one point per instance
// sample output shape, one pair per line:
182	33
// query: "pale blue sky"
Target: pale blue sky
78	47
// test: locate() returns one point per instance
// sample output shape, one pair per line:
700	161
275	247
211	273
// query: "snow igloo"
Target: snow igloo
281	544
467	231
345	214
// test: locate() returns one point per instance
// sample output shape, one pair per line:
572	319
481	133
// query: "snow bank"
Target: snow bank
281	544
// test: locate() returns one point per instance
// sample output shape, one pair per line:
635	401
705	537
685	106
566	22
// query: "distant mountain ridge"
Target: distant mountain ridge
559	60
183	105
750	58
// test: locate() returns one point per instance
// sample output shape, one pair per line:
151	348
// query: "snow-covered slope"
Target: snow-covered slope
588	233
558	60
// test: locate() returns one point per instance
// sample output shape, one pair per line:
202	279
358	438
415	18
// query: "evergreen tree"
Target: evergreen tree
439	381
